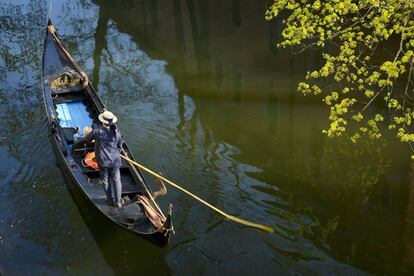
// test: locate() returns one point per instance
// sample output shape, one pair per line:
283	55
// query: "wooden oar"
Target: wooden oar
230	217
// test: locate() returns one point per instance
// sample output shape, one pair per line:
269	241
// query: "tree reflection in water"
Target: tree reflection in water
40	229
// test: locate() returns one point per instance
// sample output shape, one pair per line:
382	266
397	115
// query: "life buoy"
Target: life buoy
90	161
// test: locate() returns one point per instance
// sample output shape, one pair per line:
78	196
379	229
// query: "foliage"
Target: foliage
356	37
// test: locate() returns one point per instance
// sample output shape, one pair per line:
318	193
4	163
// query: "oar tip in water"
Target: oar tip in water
252	224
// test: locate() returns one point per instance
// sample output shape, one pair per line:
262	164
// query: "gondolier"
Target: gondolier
108	144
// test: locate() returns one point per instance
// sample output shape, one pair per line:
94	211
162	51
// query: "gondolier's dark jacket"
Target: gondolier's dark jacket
108	144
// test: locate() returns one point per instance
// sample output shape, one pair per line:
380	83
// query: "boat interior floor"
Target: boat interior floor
129	187
132	215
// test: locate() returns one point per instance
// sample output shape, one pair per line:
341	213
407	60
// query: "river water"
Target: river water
202	95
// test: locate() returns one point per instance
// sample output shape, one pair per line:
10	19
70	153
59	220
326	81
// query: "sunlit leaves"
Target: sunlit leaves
355	31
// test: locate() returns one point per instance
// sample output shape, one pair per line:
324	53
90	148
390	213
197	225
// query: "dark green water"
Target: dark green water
203	96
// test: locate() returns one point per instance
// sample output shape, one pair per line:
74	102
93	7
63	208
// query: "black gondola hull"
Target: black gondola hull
82	183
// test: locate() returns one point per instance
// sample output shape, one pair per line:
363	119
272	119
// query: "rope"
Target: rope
230	217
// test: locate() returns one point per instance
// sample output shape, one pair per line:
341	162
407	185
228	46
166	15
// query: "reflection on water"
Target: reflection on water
220	119
77	21
40	229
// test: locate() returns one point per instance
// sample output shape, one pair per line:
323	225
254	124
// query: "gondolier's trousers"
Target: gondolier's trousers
111	181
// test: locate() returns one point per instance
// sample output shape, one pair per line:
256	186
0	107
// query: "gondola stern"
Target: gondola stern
168	224
163	235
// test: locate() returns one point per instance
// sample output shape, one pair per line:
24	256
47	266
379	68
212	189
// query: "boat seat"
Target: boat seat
68	97
68	133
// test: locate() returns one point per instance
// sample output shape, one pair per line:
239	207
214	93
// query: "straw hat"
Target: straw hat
107	117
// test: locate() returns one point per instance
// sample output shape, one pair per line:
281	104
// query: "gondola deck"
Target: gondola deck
70	106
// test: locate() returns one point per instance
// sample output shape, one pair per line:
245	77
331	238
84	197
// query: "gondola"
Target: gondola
71	104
